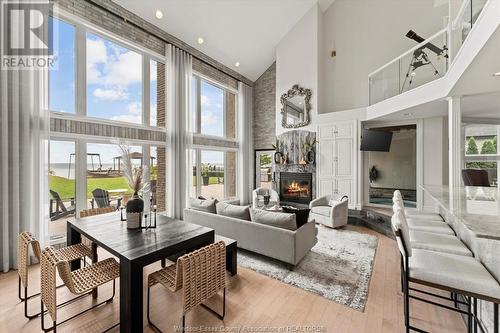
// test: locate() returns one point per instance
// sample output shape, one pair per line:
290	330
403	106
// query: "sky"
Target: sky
114	86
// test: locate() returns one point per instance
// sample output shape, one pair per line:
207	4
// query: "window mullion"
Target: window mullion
81	71
146	81
198	105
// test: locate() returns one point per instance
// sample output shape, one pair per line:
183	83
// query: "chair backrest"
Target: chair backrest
96	211
202	274
401	230
101	197
475	177
58	200
24	240
48	267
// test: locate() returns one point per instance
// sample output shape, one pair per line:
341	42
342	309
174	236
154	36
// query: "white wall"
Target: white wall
297	63
366	35
435	152
397	168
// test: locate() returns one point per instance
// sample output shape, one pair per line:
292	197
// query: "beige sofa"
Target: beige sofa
278	243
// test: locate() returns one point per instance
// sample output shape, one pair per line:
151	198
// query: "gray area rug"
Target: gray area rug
338	267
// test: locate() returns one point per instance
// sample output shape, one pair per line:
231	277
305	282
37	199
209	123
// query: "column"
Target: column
455	144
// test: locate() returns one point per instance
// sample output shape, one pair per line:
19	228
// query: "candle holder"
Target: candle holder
152	221
121	214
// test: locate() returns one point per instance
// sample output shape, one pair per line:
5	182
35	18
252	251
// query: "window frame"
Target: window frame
197	163
82	27
197	131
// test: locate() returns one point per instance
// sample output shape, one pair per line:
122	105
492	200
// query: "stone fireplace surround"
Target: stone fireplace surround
291	144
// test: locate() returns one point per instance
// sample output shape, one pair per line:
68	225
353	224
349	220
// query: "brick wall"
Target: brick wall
264	104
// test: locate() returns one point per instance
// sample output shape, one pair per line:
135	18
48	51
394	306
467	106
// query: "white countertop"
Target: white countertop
478	208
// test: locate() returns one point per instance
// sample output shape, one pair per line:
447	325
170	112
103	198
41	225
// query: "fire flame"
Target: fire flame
295	187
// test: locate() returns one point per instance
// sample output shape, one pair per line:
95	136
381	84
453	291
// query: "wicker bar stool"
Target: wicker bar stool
79	282
25	240
201	274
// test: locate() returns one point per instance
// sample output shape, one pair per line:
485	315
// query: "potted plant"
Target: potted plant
136	181
205	175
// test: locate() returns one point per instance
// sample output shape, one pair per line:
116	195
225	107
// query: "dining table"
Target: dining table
135	249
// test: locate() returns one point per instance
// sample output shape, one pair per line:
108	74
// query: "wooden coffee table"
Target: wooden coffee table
231	253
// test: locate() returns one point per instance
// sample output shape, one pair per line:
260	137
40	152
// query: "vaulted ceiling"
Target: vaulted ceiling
244	31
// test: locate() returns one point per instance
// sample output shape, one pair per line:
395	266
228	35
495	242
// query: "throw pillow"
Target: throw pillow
274	219
207	205
238	212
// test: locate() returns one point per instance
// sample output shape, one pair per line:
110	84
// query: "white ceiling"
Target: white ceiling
244	31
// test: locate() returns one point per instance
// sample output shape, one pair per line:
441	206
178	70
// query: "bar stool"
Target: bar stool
397	197
457	274
79	282
25	240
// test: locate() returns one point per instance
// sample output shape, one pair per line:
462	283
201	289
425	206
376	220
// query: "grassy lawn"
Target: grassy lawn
66	187
211	180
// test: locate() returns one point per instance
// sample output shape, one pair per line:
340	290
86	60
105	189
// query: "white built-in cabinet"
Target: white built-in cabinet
337	160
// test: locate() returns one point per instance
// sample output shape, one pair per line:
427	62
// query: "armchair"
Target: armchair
274	200
329	210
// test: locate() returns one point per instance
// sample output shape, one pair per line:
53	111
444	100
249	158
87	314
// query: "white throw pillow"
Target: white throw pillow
274	219
238	212
207	205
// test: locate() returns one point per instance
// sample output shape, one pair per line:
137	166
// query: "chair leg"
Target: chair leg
469	317
407	306
475	314
183	323
19	289
221	317
495	318
148	315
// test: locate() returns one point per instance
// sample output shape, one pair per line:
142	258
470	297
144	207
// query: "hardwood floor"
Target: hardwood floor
253	300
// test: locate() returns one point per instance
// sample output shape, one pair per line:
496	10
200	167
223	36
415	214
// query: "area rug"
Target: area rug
338	267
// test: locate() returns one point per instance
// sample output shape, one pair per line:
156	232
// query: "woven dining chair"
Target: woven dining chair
79	282
93	212
200	274
25	240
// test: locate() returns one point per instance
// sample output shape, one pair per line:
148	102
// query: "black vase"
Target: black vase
135	208
311	156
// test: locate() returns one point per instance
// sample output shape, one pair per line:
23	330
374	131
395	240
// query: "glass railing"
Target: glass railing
423	63
465	20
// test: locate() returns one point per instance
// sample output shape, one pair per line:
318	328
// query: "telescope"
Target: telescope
438	51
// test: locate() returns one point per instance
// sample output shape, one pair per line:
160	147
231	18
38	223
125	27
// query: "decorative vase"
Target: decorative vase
277	157
135	208
311	156
267	198
206	180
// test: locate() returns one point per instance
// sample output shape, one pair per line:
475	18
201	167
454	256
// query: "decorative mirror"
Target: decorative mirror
295	107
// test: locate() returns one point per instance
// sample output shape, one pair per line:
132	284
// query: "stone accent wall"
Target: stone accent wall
231	174
95	128
264	112
230	114
161	115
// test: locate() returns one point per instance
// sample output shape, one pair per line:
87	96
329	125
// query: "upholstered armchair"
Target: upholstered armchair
261	191
329	210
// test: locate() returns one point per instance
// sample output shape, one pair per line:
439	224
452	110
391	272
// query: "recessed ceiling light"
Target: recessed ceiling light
159	14
496	74
200	40
237	64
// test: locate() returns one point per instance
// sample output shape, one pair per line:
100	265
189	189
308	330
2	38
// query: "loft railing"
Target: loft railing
415	67
427	61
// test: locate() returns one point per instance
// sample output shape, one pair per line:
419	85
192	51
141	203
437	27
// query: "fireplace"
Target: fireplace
295	187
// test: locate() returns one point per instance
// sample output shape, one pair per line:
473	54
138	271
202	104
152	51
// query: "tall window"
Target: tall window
62	74
481	149
213	174
62	186
213	109
114	81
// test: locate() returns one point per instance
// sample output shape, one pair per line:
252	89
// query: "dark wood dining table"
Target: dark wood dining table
136	249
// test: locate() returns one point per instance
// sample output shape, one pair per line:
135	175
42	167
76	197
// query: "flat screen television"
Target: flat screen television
373	140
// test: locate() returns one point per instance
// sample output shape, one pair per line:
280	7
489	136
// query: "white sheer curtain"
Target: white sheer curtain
178	74
246	142
24	125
